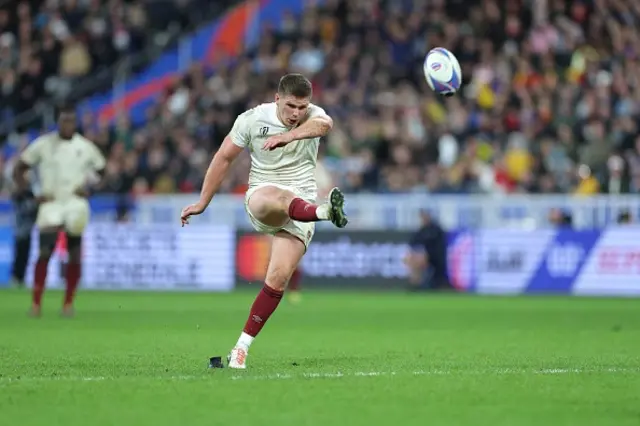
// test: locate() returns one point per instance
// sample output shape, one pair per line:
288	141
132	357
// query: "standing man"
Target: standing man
25	207
66	163
427	259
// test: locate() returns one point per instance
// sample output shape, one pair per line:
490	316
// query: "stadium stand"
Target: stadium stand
550	102
53	50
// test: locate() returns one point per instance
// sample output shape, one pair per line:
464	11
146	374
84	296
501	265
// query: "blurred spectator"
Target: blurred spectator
48	46
550	102
26	212
427	259
624	218
560	218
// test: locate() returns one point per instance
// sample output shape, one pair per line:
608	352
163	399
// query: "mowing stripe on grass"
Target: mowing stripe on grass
338	375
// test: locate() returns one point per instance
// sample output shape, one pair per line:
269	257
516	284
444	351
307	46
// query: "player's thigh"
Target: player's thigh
49	221
47	240
269	204
74	247
286	252
76	216
50	216
304	231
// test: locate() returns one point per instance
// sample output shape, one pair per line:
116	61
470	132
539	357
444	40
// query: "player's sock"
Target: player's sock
265	304
39	280
73	277
303	211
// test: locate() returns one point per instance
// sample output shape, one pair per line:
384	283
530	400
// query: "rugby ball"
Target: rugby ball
442	71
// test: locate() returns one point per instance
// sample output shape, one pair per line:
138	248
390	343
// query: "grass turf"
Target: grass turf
335	359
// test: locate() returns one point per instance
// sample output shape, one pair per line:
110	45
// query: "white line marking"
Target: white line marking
337	375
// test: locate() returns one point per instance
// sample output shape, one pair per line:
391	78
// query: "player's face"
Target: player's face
291	109
66	125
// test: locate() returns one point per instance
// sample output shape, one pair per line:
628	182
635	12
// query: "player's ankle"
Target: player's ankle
323	211
245	341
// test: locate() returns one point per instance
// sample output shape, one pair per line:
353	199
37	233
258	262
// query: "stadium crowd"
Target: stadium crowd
49	47
550	102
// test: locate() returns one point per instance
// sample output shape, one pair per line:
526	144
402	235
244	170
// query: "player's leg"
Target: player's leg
76	219
274	206
47	243
49	221
73	272
286	252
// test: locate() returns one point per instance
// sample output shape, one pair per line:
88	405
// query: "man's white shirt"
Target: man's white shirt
64	166
293	165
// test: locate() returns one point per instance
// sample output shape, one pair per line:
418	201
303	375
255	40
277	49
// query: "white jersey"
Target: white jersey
293	165
63	166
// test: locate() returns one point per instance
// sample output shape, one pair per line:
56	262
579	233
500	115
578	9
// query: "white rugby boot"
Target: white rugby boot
237	358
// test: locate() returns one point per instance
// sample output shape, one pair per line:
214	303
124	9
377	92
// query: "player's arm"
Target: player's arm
30	157
97	167
234	143
317	124
217	170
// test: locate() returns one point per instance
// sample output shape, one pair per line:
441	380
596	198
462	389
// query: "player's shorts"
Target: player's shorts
72	215
302	230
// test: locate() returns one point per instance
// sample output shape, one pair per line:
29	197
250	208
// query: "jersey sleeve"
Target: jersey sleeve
32	155
316	111
241	131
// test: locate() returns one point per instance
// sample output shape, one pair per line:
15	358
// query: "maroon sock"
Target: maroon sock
303	211
294	282
39	280
73	277
266	302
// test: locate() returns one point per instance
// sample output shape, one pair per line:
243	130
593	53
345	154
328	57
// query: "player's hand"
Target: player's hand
191	210
277	141
21	186
43	199
82	192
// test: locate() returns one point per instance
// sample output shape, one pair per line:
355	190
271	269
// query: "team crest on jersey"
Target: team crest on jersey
264	131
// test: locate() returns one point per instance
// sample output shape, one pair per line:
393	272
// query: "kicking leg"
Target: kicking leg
274	206
286	252
74	270
48	238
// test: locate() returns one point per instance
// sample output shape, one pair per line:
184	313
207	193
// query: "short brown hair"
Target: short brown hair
295	85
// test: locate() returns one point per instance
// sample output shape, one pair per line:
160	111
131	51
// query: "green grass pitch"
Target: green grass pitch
335	359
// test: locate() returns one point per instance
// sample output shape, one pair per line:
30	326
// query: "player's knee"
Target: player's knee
270	199
74	255
277	278
284	200
45	252
74	248
47	244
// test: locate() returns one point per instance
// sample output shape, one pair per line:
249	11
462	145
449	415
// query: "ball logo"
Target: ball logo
436	66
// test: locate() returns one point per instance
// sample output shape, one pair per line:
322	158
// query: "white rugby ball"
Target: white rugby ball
442	71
